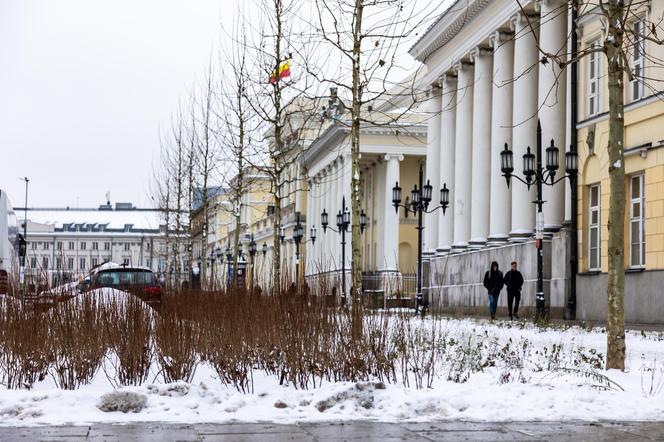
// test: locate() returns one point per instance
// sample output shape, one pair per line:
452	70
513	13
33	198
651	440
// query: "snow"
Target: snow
547	395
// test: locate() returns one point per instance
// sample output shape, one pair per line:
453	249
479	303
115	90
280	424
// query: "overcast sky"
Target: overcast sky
85	85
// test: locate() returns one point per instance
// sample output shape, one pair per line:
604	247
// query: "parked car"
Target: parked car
139	281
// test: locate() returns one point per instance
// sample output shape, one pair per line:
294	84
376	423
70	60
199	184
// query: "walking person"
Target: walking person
513	282
493	282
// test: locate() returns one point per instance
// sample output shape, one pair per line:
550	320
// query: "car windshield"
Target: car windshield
125	277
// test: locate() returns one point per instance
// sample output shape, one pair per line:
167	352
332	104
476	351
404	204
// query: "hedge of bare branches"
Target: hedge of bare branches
296	338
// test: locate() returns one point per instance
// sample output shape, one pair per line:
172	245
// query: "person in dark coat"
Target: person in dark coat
493	282
513	282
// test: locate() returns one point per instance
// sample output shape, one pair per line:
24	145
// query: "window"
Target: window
638	60
107	246
70	263
45	262
637	222
33	262
593	80
34	246
594	234
81	264
95	246
46	246
58	263
83	245
71	245
59	245
126	246
148	263
107	259
95	262
125	261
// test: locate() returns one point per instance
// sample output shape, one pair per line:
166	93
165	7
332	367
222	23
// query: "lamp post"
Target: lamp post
220	258
23	242
537	175
343	221
420	198
298	234
252	254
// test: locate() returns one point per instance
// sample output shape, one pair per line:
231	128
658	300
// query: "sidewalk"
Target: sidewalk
348	431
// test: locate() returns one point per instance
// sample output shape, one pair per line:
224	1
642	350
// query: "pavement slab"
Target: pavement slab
454	431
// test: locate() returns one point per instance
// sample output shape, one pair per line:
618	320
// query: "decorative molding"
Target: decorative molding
446	28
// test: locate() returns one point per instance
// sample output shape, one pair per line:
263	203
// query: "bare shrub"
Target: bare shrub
76	336
24	351
177	337
128	333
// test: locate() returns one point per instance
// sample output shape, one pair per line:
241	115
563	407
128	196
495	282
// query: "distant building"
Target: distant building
65	243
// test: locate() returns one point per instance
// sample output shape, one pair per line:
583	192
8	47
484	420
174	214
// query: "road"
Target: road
348	431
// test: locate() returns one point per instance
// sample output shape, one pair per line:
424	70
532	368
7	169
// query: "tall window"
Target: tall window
59	245
637	222
70	263
95	261
125	261
58	263
107	246
126	246
34	246
46	246
45	262
593	80
638	60
95	246
594	250
81	263
83	245
71	245
33	262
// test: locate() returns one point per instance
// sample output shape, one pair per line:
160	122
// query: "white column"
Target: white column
481	165
390	261
552	104
434	104
525	124
462	156
447	164
501	133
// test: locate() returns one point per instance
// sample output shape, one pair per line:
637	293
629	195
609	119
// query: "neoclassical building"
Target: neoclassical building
488	87
390	153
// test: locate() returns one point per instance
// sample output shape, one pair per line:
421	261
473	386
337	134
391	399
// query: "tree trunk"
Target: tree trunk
616	223
356	235
276	244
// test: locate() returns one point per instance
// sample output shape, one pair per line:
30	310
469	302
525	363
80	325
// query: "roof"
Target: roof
148	219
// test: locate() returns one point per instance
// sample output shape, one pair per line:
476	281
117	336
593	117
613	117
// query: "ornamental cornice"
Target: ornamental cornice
446	27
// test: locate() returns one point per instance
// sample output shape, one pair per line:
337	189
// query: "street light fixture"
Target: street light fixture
536	174
420	198
343	221
264	249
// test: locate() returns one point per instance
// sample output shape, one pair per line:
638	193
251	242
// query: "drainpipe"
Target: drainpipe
574	262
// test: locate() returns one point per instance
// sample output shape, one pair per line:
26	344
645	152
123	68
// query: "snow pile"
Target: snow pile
501	372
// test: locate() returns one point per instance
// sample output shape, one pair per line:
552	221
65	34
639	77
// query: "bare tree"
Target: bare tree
367	36
621	39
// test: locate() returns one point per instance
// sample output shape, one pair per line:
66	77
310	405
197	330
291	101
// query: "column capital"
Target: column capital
522	19
393	156
461	65
499	37
478	52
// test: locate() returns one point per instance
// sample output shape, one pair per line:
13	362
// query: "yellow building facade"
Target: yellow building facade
644	170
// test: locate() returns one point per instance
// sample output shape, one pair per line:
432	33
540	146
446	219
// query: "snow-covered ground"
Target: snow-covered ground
488	395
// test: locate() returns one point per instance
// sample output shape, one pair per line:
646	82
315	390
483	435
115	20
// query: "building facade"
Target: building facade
63	244
644	168
489	89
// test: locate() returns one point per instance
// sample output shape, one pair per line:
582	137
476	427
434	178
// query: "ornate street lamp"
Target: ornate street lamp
537	174
343	221
264	249
420	198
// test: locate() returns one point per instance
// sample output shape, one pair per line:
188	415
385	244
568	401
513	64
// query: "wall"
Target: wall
456	280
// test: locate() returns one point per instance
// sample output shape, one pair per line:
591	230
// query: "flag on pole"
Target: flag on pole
284	71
